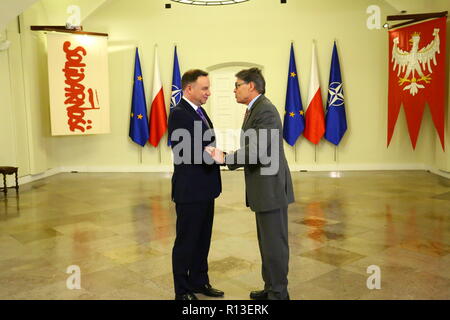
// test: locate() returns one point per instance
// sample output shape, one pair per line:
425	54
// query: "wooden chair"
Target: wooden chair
9	170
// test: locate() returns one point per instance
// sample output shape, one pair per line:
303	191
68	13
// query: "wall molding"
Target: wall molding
440	172
169	169
143	168
34	177
360	167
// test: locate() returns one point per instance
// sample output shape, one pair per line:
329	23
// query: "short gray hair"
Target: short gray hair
253	75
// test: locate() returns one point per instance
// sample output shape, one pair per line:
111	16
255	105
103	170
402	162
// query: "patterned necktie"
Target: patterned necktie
247	112
202	116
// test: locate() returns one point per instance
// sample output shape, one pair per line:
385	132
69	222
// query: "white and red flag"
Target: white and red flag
315	117
417	75
158	115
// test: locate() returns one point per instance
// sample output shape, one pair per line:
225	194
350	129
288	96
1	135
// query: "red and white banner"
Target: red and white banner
79	84
417	75
158	116
315	117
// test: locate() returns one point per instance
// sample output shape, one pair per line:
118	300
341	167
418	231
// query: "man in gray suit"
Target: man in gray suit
268	184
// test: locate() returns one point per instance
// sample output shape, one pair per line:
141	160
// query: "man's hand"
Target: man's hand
216	154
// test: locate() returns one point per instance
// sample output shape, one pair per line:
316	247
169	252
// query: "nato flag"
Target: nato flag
139	131
177	93
294	121
335	120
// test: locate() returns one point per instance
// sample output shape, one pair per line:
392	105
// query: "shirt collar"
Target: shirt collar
191	103
252	102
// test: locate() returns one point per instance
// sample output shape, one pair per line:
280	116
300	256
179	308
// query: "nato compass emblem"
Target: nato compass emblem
176	96
336	94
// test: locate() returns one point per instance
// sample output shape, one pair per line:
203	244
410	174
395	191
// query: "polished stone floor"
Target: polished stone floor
118	228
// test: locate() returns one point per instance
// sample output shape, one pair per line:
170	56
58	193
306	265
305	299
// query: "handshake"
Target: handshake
217	154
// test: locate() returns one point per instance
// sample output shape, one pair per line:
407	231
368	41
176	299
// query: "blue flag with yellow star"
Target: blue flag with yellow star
335	119
294	121
139	131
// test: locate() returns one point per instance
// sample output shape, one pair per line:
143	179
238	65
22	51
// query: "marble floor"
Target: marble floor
118	229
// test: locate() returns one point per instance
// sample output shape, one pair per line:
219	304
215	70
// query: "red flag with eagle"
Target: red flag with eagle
417	75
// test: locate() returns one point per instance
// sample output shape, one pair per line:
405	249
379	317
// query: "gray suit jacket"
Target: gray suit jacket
268	183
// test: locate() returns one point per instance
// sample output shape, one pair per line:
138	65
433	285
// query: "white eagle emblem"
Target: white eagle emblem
414	61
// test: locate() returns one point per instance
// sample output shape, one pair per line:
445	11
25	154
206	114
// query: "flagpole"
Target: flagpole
315	153
157	66
295	145
295	153
335	153
140	155
335	147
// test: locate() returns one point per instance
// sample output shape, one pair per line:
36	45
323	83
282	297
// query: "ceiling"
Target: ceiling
10	9
56	9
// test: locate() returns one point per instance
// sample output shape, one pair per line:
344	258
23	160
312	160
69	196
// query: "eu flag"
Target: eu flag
294	121
177	92
139	131
335	119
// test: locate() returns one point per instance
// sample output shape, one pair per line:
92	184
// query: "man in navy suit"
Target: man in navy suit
195	184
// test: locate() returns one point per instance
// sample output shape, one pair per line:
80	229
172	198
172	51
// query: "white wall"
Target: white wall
258	31
443	157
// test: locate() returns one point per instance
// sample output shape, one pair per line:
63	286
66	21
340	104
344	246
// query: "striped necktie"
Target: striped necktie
247	112
202	116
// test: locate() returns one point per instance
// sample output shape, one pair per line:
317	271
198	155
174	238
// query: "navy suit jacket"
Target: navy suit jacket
192	182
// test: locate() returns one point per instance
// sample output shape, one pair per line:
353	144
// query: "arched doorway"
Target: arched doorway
226	114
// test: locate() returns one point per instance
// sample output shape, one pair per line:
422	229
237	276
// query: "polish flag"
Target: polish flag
315	117
158	116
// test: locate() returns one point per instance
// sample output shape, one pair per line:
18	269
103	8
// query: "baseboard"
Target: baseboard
35	177
440	172
168	169
359	167
117	169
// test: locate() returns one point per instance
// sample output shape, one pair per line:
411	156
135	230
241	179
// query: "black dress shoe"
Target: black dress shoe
259	295
186	296
209	291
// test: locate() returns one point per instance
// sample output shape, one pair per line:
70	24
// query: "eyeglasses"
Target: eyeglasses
237	85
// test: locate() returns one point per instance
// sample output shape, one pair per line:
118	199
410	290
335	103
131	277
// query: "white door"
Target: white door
227	115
